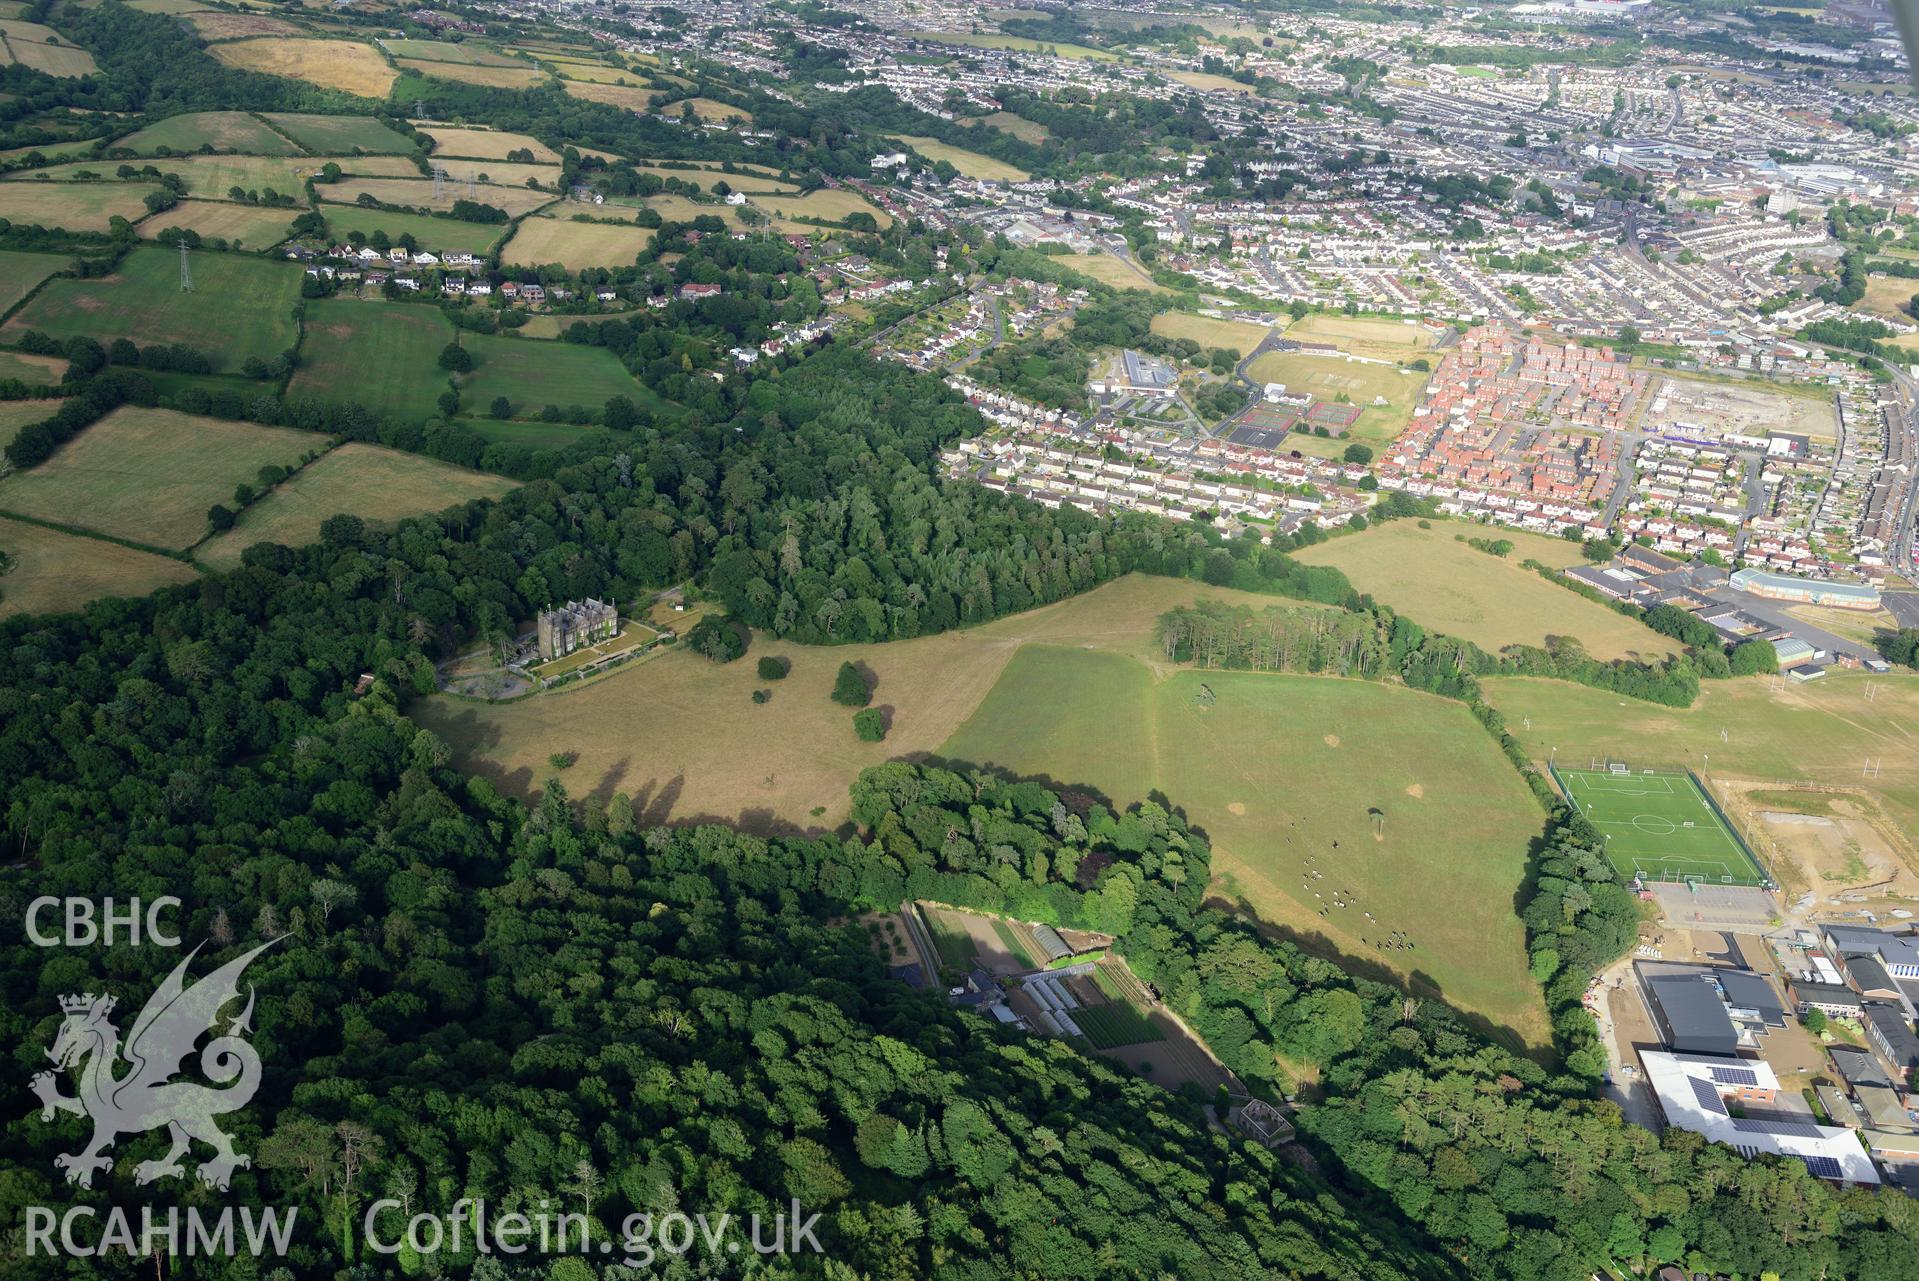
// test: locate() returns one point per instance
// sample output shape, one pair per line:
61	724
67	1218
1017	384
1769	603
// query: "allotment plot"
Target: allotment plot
1659	825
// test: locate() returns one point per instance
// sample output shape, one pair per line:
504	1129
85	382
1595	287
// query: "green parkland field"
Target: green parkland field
1660	825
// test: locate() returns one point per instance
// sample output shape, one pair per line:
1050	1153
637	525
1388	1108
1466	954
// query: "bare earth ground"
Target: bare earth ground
1834	843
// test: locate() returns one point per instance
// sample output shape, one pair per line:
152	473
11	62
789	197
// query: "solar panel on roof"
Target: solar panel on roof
1708	1097
1824	1167
1785	1129
1735	1076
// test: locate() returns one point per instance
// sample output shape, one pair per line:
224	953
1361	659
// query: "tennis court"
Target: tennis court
1659	825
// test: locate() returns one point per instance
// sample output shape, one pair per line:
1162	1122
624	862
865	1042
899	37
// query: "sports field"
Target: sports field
1450	586
240	307
533	374
53	572
241	226
1826	735
436	234
221	130
339	135
575	245
381	355
1279	768
971	163
20	272
149	475
1659	825
74	206
332	64
1359	383
378	485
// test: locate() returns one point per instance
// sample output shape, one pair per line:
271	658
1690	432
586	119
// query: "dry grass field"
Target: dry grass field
465	52
1283	774
1363	335
241	226
1818	735
1355	382
42	48
1206	82
34	371
1095	705
487	144
700	718
76	206
497	173
1210	331
970	163
632	97
1109	270
1887	296
21	273
575	245
381	486
15	414
1019	126
417	193
217	175
149	475
996	40
221	130
340	135
55	572
345	65
597	72
509	77
1446	585
751	179
436	234
241	306
826	204
215	25
384	356
710	110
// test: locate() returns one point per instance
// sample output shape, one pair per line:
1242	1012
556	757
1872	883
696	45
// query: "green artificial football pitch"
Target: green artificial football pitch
1659	825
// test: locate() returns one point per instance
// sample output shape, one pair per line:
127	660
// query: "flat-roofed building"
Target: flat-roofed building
1809	591
1698	1094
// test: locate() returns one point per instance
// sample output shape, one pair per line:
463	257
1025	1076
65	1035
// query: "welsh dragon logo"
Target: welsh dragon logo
146	1097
